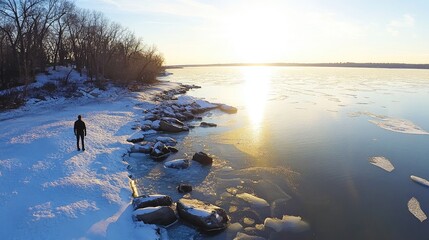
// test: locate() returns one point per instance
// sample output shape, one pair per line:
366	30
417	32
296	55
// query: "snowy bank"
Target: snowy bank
51	191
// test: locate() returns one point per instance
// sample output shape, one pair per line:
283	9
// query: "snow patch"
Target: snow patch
74	209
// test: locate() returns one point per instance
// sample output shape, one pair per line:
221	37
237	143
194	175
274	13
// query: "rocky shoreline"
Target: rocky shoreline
173	113
163	124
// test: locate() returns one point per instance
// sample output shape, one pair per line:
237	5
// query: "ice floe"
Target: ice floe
420	180
287	224
392	124
253	200
414	208
382	162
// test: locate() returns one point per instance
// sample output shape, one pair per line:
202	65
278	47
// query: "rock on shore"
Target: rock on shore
205	216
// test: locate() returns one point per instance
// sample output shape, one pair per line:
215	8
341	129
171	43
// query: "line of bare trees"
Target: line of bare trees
35	34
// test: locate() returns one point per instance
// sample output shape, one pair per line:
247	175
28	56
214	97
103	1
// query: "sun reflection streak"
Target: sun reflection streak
257	86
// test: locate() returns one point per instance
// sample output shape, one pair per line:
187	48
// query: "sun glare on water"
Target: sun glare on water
255	92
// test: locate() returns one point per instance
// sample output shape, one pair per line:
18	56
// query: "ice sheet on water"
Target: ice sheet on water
382	162
287	224
414	208
399	125
253	200
420	180
393	124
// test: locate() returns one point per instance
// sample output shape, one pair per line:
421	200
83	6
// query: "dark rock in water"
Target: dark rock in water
159	157
151	201
161	215
173	149
177	164
172	125
206	124
184	188
188	115
202	158
159	151
205	216
181	117
198	110
227	108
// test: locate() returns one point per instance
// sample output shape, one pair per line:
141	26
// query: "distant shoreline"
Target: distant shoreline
345	64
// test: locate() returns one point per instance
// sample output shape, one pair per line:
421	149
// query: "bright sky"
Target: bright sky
233	31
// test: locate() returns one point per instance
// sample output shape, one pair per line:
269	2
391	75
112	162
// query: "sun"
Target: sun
258	34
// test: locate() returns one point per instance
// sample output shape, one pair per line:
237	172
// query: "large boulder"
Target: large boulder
177	164
184	188
161	215
172	125
151	201
205	216
202	158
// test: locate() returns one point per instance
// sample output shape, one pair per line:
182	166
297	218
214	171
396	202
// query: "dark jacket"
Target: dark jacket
79	128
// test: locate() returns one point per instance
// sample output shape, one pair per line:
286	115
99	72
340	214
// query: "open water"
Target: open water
302	140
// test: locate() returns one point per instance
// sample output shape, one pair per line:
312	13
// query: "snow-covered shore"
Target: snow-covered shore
49	190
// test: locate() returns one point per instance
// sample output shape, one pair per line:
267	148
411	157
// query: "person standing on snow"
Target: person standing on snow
80	132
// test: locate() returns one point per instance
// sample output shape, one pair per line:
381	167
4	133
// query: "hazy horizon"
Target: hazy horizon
206	32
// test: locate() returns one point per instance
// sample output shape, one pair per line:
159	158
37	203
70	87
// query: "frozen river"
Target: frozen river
303	140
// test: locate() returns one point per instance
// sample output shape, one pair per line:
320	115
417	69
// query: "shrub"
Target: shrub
11	100
49	87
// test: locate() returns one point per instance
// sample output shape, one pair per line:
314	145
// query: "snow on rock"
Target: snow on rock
420	180
287	224
177	163
203	215
142	147
382	162
204	104
136	137
167	140
414	208
253	200
188	100
161	215
154	200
